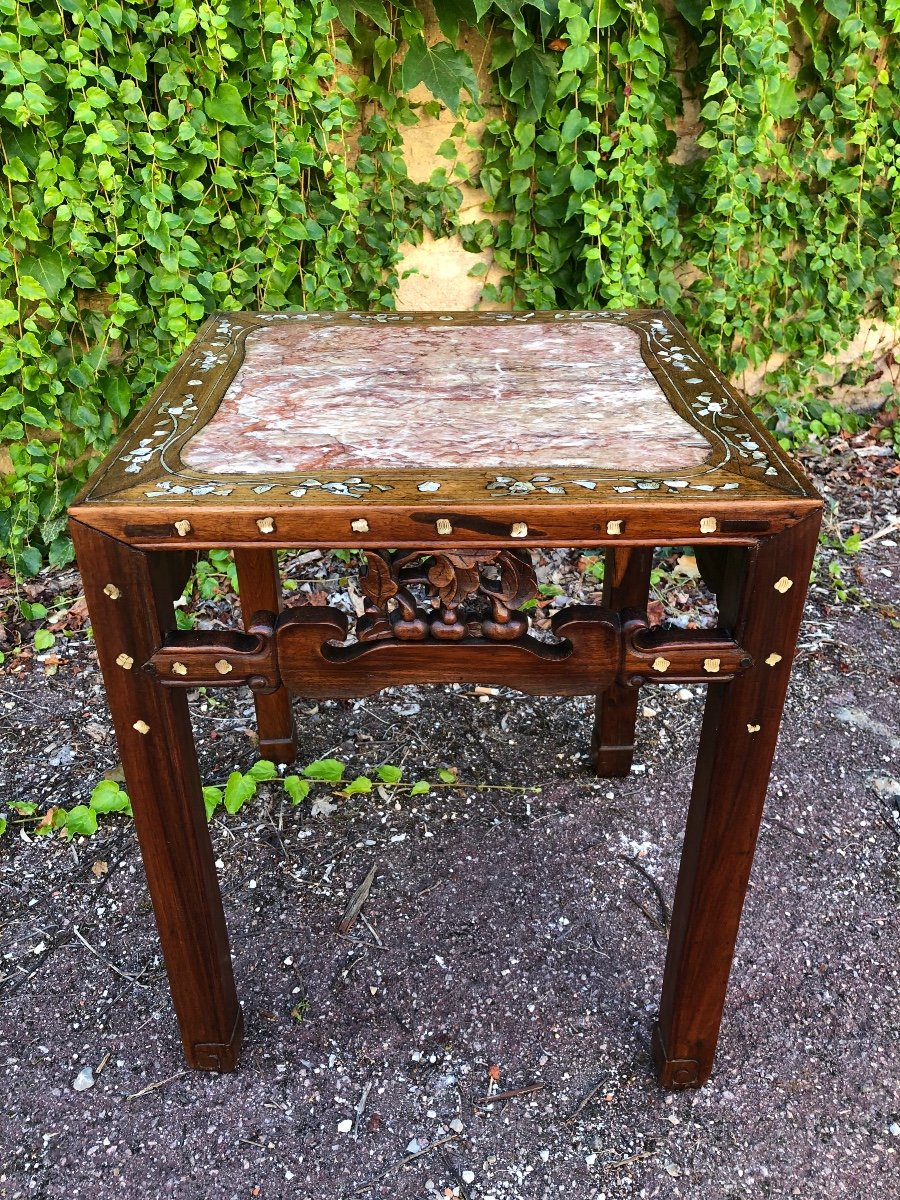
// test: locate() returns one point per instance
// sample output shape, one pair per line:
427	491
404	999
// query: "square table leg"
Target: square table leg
129	595
761	594
626	584
259	586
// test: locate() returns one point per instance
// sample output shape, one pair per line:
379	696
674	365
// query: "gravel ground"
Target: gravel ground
514	940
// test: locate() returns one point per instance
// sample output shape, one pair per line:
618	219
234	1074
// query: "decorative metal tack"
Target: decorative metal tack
711	665
141	726
519	529
266	525
125	661
753	728
224	667
614	527
708	524
661	664
360	525
112	591
178	668
784	584
773	660
443	526
182	528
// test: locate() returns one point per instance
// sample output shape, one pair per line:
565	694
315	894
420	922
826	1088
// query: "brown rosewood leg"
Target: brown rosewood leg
626	583
260	589
129	595
763	604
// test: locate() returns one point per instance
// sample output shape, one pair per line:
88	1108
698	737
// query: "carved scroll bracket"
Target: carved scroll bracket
220	658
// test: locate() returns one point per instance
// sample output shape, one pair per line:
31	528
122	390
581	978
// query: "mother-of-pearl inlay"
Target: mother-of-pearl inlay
340	397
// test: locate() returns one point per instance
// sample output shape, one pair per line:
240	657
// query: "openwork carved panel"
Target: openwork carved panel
469	594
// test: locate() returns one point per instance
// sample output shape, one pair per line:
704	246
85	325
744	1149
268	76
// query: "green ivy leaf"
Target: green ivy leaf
226	106
81	820
296	788
108	797
238	790
389	774
448	775
445	71
360	785
262	770
43	640
325	770
212	798
420	787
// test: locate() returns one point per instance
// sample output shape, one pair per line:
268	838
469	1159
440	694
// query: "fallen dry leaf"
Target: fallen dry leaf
99	867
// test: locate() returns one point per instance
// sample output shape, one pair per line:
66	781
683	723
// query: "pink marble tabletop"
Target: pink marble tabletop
338	398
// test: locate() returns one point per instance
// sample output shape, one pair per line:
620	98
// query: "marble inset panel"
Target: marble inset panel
340	398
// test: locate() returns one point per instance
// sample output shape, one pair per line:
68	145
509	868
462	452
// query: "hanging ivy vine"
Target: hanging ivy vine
162	161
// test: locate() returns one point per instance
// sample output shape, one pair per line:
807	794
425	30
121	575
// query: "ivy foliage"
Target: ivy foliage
160	162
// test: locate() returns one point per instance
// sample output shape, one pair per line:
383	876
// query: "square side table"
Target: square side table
445	446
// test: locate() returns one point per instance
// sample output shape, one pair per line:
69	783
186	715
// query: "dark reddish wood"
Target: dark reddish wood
129	596
599	649
626	584
312	665
737	743
144	515
453	580
220	658
476	525
259	585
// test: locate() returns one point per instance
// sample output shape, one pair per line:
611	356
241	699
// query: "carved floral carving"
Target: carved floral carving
466	599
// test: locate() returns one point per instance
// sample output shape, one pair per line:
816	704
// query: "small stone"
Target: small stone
413	1147
345	1126
646	711
84	1079
894	1128
545	1155
456	1125
684	694
468	1176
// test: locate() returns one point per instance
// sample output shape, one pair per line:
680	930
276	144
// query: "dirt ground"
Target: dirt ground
513	941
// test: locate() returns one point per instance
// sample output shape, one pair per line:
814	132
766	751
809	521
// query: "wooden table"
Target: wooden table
446	446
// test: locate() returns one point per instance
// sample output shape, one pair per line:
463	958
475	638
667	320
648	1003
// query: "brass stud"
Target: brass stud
266	525
224	667
711	665
613	528
141	726
519	529
661	664
182	528
125	661
360	525
112	591
708	525
753	728
784	584
773	660
178	668
443	526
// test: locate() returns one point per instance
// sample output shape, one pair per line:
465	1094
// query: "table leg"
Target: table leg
626	584
761	594
129	595
260	589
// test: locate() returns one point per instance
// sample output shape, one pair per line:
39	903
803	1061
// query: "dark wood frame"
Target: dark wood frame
755	541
